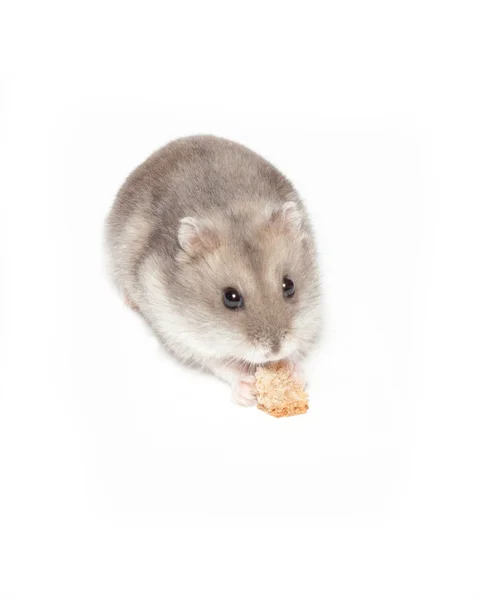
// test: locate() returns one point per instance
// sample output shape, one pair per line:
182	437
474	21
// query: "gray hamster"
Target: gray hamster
213	246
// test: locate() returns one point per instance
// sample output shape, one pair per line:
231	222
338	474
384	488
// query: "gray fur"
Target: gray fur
203	214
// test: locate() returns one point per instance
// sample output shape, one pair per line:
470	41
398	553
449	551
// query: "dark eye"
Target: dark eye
232	298
288	287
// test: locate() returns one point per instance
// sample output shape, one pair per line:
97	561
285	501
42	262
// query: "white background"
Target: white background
124	475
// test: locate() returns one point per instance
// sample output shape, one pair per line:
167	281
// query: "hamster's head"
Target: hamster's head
247	287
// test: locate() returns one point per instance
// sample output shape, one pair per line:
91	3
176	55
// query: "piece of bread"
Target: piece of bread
279	394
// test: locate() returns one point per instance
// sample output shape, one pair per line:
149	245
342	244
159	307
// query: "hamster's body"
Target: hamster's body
203	215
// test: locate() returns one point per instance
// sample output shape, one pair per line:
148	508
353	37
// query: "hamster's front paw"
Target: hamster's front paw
297	372
243	391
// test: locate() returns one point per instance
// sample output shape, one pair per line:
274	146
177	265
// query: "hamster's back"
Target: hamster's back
190	176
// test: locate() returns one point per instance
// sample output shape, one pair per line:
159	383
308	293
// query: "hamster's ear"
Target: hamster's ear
196	237
287	216
291	215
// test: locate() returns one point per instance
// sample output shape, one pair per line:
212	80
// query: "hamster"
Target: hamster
214	247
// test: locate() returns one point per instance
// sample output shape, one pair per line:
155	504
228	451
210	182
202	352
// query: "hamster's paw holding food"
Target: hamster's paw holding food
297	373
244	391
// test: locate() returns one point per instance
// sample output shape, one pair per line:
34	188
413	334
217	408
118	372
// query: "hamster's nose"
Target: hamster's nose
275	346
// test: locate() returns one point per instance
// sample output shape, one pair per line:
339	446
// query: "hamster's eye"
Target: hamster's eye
288	287
232	298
